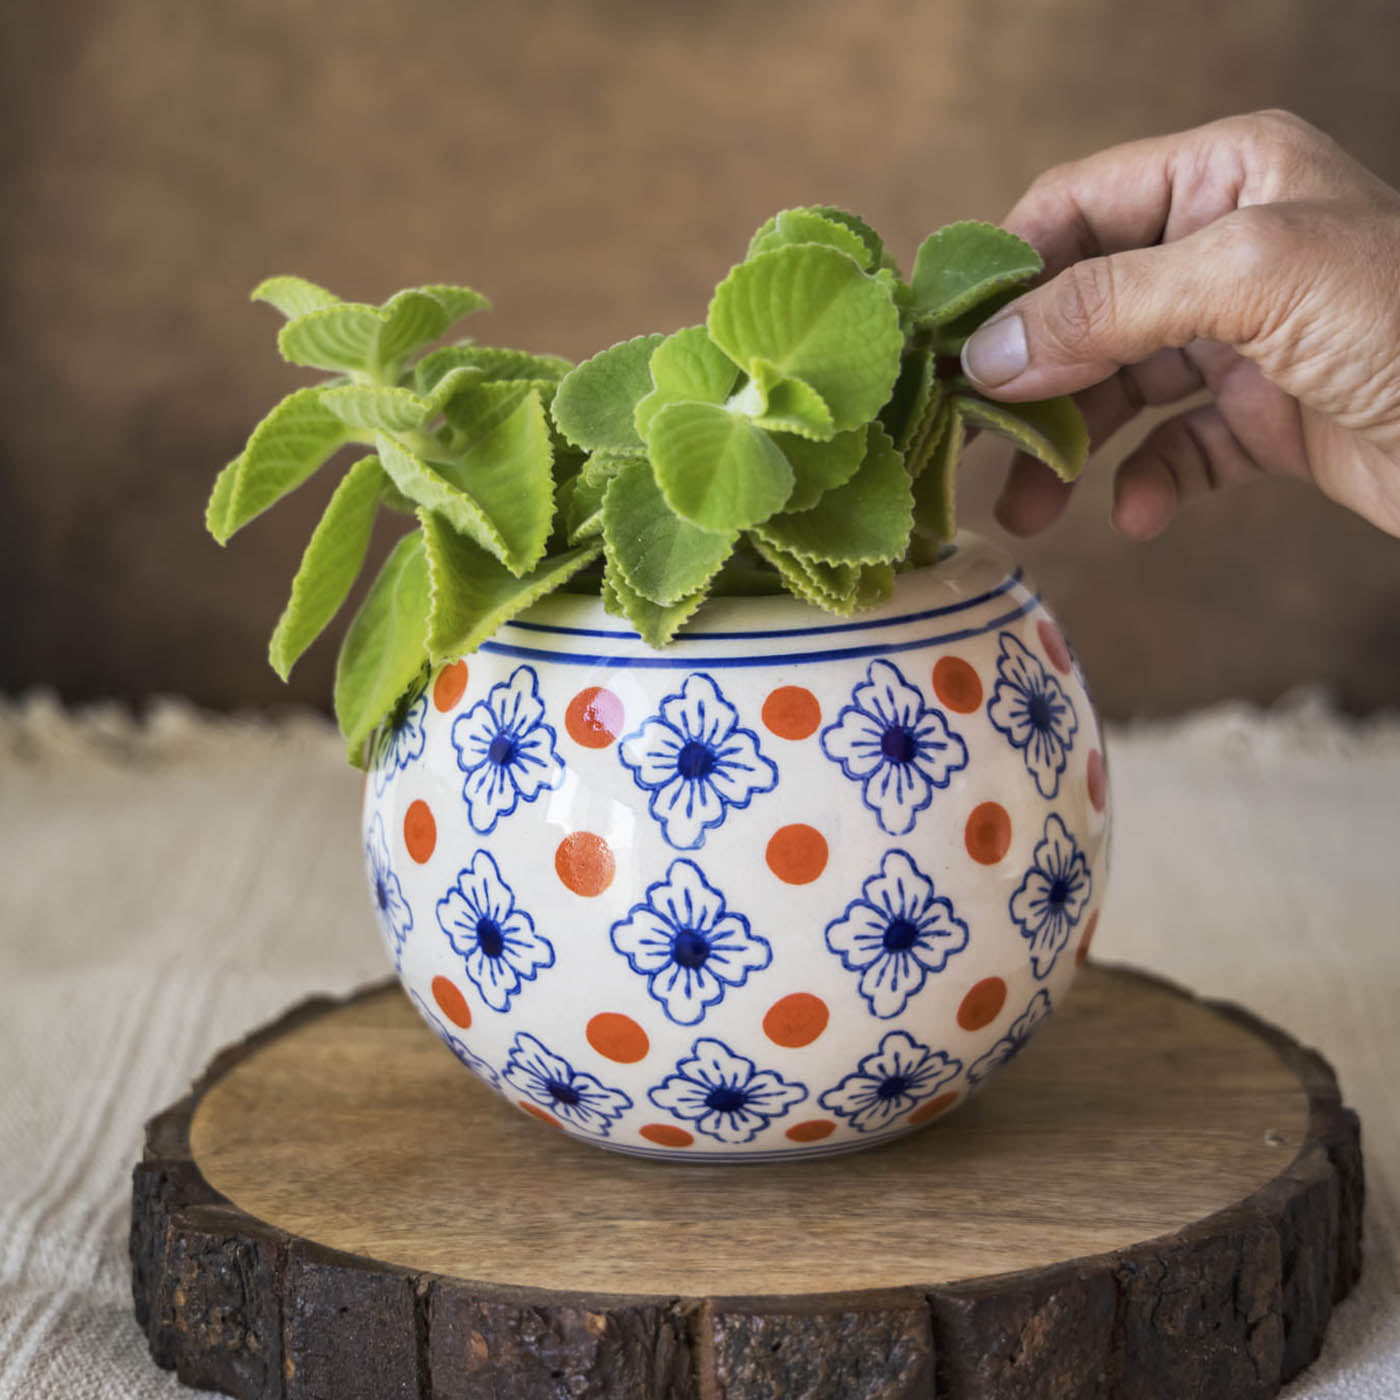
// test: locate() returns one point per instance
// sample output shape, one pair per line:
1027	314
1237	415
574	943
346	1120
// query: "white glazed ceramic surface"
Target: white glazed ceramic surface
796	885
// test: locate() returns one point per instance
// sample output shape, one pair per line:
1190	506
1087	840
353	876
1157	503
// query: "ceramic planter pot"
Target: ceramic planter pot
794	886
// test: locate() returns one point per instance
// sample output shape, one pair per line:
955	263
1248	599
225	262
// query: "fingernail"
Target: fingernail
996	352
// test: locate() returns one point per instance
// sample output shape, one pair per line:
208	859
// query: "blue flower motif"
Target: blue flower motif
1031	709
895	934
456	1045
697	762
551	1081
897	747
890	1082
401	739
497	941
685	944
506	750
724	1095
1051	896
1012	1043
395	917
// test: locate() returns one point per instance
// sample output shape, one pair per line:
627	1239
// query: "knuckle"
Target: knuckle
1085	304
1256	251
1283	125
1257	239
1052	177
1288	151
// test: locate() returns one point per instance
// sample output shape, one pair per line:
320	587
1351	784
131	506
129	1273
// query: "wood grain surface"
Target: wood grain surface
1160	1198
1137	1114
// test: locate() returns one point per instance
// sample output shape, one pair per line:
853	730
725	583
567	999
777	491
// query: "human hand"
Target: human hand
1252	257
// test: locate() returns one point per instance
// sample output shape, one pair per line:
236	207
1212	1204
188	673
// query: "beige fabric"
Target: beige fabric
166	886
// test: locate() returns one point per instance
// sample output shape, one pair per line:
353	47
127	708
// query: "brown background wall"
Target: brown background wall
595	168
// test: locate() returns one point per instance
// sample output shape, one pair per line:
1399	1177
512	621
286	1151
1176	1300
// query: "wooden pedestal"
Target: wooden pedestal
1161	1198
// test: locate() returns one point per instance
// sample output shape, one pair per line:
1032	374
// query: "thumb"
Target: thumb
1102	313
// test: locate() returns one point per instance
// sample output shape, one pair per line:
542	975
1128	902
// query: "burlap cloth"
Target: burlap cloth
165	886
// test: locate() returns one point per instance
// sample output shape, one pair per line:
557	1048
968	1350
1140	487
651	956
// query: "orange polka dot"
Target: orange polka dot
940	1103
594	717
451	682
814	1130
988	833
797	854
1054	645
419	831
618	1037
584	863
535	1111
982	1005
1098	780
792	712
451	1002
666	1135
1090	929
796	1020
957	685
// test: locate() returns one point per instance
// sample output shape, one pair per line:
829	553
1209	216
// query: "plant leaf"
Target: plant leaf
686	367
286	447
456	301
293	296
831	588
386	646
866	521
935	489
795	407
812	314
874	586
504	457
410	318
879	256
471	594
377	407
580	506
447	387
489	362
653	622
612	603
963	264
903	416
661	556
950	338
715	468
937	416
596	403
809	226
1051	429
819	466
601	467
344	336
416	317
427	486
498	488
481	404
330	564
216	513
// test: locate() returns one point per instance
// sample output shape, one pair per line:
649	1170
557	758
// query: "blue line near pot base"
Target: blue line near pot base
794	658
1004	586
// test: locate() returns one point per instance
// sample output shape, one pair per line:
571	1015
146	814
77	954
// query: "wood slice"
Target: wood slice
1159	1200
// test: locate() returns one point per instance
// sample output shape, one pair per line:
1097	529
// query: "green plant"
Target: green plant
805	437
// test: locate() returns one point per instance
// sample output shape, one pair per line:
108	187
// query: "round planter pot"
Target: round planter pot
796	885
